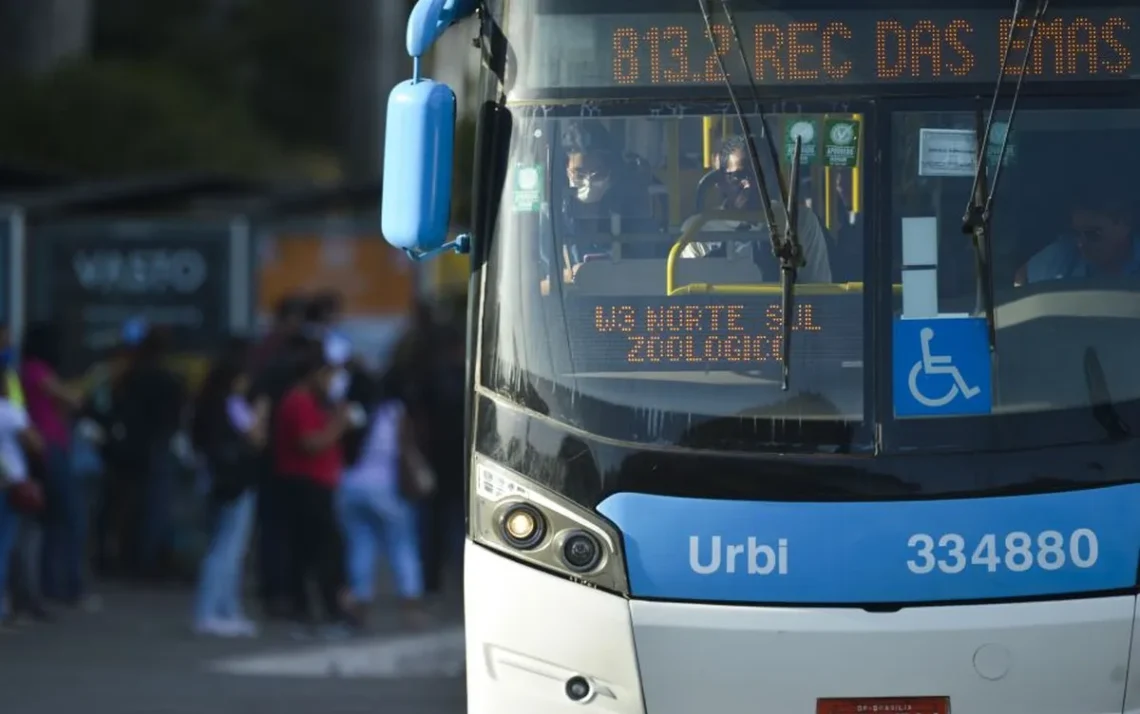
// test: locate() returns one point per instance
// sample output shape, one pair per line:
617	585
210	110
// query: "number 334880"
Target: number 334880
1017	551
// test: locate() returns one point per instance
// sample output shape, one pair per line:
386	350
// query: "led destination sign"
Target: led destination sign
857	47
683	334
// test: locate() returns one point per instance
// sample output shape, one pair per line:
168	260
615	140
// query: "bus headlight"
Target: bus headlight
522	525
527	522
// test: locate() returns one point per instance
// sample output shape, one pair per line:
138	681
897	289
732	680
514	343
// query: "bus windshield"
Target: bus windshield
632	268
631	288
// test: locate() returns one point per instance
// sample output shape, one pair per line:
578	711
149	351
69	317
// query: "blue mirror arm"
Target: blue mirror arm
431	18
461	245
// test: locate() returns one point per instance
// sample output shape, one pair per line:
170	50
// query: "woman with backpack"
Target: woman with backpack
227	433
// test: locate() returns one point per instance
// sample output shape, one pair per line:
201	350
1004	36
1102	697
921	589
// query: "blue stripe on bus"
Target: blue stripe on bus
892	552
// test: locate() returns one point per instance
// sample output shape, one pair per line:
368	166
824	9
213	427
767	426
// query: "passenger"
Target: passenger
308	428
276	374
50	406
741	193
441	512
608	196
18	494
25	590
288	319
1102	244
118	496
323	314
374	512
227	433
152	400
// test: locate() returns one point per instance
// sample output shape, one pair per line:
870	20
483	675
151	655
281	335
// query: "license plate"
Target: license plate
884	705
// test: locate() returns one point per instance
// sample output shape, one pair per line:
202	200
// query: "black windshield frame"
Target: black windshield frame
991	432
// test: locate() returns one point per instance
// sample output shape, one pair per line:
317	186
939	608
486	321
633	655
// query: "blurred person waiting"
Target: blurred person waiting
277	367
228	434
309	424
288	319
385	475
19	496
10	519
24	590
430	368
323	315
25	574
8	364
117	497
444	397
50	406
151	403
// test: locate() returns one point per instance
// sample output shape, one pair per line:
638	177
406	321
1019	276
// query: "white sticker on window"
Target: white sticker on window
920	267
946	152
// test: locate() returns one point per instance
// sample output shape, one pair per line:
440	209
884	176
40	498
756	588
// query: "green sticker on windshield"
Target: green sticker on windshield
529	188
841	143
807	132
998	136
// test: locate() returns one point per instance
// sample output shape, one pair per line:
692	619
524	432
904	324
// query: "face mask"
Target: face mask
592	191
338	385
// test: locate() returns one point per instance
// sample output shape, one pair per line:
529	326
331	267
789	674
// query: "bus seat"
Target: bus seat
621	277
648	277
740	269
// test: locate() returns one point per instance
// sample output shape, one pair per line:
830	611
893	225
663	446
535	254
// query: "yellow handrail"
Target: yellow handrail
773	289
691	231
694	227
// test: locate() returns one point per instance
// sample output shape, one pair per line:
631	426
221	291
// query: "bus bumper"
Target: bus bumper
529	633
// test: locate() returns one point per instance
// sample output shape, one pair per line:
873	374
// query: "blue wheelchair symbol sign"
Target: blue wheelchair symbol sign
941	367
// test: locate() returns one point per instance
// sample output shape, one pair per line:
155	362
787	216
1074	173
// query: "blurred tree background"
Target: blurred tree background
248	87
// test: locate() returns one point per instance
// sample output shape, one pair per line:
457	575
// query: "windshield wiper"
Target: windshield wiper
785	244
979	209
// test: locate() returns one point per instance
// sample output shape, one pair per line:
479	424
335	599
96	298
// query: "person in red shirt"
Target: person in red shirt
308	429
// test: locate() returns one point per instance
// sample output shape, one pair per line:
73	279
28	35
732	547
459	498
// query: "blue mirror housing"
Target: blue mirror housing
418	151
431	18
419	143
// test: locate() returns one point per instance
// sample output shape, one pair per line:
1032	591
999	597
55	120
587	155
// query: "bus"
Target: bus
804	351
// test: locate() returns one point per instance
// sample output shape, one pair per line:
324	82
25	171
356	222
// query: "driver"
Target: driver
740	189
1102	243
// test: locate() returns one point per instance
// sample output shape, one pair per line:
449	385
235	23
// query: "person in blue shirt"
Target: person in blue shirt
1102	243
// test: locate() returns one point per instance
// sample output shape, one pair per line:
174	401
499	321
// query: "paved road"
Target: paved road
137	656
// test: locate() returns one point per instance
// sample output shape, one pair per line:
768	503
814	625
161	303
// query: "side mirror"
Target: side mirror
419	143
418	152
